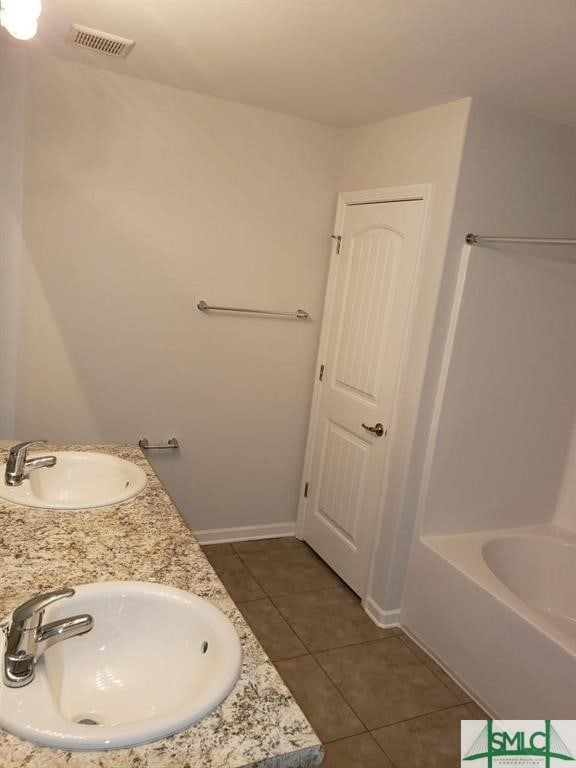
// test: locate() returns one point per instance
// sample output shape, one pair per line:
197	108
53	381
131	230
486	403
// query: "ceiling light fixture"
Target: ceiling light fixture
20	17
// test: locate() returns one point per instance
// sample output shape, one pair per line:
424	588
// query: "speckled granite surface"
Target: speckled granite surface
144	539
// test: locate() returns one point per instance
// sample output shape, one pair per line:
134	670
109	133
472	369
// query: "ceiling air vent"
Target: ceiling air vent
101	42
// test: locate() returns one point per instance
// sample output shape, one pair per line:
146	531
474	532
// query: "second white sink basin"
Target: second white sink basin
78	480
157	660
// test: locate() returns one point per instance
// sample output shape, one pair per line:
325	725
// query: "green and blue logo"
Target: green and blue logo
496	745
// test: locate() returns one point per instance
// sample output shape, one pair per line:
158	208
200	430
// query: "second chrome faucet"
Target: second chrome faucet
19	466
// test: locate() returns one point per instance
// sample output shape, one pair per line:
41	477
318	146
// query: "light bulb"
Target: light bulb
35	7
20	17
20	27
23	7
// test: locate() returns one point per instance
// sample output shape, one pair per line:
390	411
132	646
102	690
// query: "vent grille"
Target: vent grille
101	42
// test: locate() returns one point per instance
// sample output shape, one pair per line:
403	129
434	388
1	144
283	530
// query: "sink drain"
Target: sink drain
85	720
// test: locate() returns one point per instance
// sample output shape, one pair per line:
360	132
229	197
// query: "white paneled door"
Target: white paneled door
371	283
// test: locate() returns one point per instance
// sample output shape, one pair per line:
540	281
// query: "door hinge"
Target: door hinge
306	490
321	374
338	239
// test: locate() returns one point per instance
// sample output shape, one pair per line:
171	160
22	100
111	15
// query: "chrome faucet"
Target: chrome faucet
27	638
19	466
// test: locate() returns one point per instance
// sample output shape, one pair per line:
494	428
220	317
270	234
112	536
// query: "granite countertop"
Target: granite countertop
259	725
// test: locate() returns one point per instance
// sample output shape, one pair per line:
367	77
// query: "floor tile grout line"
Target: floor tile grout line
300	592
371	731
367	729
387	724
337	587
392	762
364	733
432	669
296	633
238	603
274	598
425	660
234	600
265	593
262	586
340	582
287	658
321	668
355	645
293	628
417	717
341	647
393	631
303	641
335	684
285	620
398	634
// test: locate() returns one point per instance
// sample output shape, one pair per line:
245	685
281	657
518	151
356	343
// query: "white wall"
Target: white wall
517	177
565	512
422	147
510	395
12	90
141	199
504	418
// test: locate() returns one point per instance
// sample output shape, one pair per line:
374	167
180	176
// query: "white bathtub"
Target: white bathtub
498	610
540	569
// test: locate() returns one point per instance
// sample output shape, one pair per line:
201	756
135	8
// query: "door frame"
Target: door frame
381	195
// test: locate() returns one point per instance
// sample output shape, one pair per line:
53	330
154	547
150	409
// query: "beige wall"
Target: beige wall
422	147
565	512
141	199
12	108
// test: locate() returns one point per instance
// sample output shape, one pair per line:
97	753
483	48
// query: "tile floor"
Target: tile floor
375	699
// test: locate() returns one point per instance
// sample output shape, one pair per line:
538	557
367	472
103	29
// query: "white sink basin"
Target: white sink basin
157	660
78	480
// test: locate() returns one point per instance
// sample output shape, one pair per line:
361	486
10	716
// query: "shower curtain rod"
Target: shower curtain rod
479	239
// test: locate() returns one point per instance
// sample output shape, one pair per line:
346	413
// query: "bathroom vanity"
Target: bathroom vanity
259	725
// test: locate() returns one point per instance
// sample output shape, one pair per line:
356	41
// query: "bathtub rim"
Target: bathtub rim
464	551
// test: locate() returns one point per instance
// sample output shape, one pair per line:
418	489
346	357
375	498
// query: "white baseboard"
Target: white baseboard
457	679
384	619
245	533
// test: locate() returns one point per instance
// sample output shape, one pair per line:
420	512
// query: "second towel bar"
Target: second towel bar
300	314
146	445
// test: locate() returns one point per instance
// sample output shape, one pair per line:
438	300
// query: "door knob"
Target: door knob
377	429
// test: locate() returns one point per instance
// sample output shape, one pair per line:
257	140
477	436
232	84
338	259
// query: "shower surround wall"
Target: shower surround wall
498	435
139	200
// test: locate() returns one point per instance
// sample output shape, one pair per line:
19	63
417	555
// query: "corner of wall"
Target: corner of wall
12	121
422	147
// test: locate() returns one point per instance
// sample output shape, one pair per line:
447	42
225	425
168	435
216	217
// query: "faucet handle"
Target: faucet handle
38	603
26	444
